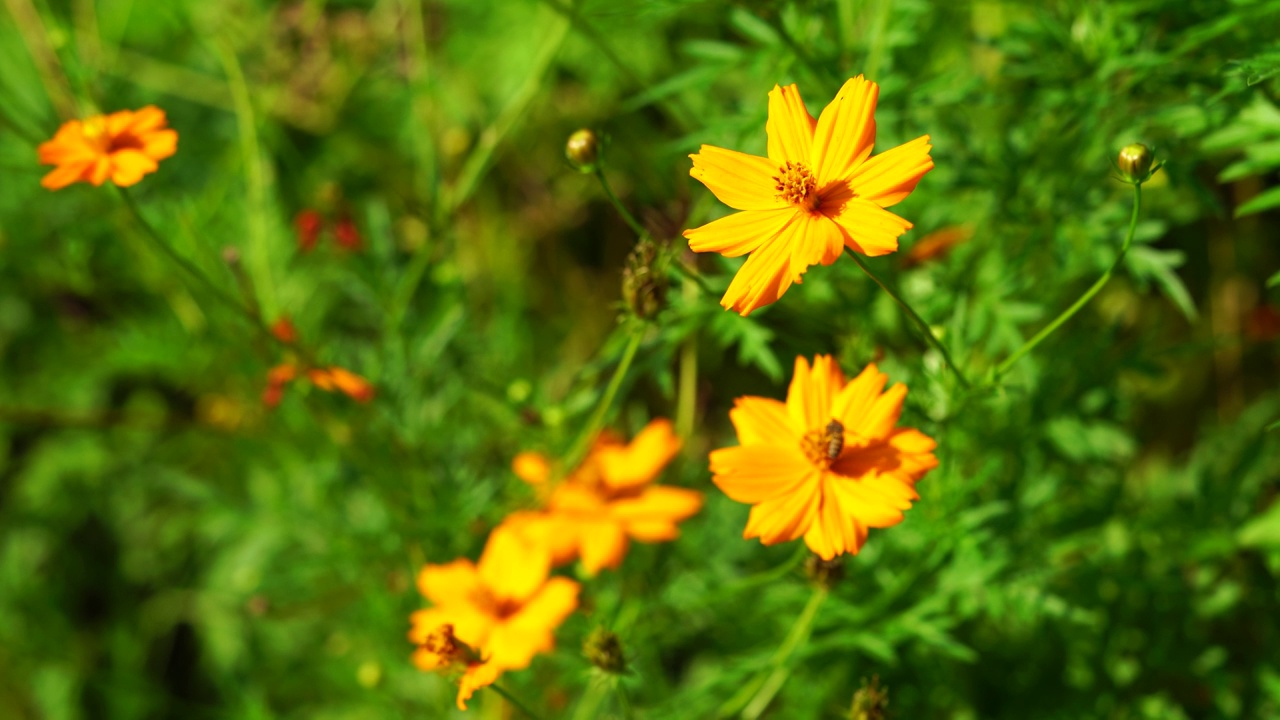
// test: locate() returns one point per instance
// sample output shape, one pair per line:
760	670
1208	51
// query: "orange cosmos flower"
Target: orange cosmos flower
817	192
610	500
344	381
828	464
506	607
121	147
441	651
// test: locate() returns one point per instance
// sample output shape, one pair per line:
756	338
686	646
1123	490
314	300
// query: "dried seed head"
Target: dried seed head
871	702
583	150
604	650
644	284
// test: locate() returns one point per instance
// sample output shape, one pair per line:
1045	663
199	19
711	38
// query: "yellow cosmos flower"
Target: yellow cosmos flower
120	147
610	500
506	607
826	465
818	191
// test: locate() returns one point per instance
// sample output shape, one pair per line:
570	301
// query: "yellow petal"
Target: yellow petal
549	529
786	517
449	584
868	228
531	467
160	144
834	530
884	413
766	275
739	233
662	502
640	461
811	397
511	567
146	120
846	131
603	545
756	473
128	167
818	240
65	175
478	675
761	421
741	181
854	401
890	176
863	501
790	126
530	631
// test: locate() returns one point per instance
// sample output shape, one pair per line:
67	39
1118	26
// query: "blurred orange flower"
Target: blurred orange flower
507	607
342	380
609	500
284	331
937	244
120	147
818	191
828	464
441	651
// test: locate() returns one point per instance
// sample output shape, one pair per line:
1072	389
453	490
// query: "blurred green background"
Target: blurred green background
1102	539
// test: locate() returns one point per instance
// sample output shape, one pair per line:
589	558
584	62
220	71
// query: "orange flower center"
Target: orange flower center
795	184
501	609
824	445
95	131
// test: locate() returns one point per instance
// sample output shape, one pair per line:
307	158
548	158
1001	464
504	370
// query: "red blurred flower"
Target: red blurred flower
347	235
308	224
284	331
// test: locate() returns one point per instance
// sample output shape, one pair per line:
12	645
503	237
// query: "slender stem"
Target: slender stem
622	209
514	702
589	705
687	395
799	634
589	431
163	246
1066	315
924	327
693	275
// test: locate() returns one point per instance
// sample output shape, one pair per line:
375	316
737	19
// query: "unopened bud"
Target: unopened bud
231	255
583	150
644	285
824	573
604	650
871	702
1135	162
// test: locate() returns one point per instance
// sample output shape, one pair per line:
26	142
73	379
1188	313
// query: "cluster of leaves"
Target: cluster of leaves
1101	540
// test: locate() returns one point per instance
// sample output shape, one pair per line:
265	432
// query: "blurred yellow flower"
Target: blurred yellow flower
818	191
507	607
609	500
120	147
828	464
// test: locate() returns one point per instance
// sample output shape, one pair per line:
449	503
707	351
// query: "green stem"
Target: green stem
514	702
924	327
687	395
622	209
765	690
160	244
589	431
1066	315
693	275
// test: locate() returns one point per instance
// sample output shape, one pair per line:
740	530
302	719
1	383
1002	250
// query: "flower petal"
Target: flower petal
512	644
766	275
811	397
449	584
834	530
790	126
884	413
511	567
757	473
662	502
65	175
785	517
639	462
603	544
846	131
478	675
128	167
819	240
868	228
741	181
739	233
761	421
890	176
160	144
854	402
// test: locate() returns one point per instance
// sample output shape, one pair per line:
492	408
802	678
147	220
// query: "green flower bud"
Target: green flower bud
1135	162
644	284
583	150
604	650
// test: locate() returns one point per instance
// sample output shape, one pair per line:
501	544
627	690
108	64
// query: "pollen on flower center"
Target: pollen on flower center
823	446
795	184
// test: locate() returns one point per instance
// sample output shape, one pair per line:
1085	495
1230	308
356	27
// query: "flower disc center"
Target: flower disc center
823	446
796	185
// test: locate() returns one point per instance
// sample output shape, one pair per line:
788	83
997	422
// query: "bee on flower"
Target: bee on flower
826	465
819	191
121	147
608	501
